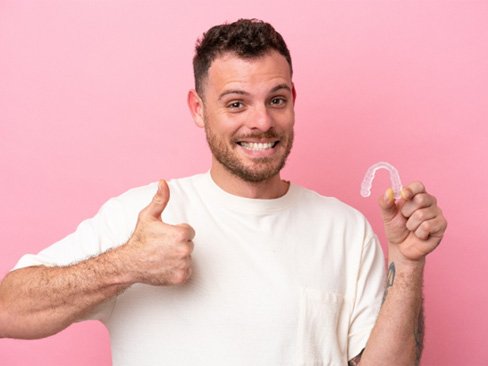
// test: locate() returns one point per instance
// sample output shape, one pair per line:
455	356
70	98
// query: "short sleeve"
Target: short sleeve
109	228
369	295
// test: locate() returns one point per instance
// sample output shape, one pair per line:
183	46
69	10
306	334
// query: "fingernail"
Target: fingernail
160	183
389	195
404	194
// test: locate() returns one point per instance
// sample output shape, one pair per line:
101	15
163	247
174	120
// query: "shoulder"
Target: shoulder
184	194
129	203
186	186
312	200
139	197
332	215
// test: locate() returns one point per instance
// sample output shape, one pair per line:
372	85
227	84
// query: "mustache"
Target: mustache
270	134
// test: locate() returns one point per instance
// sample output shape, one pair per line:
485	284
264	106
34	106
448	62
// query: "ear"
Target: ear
196	106
293	92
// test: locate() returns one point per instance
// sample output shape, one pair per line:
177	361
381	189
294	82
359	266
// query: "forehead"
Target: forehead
230	70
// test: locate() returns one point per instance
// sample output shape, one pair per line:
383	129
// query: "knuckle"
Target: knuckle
419	185
406	210
141	216
423	215
421	234
419	215
179	233
188	230
181	276
157	200
440	214
442	226
185	250
426	226
180	236
434	200
422	199
410	226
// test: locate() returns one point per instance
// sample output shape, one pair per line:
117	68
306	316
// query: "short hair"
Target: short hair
247	38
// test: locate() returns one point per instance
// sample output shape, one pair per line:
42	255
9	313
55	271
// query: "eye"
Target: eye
236	104
278	101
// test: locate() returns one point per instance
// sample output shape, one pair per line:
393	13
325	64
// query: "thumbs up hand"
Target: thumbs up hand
159	253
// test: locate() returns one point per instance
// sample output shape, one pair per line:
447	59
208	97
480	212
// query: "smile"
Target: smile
258	146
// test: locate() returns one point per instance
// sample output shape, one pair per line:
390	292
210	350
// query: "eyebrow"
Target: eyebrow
232	91
281	86
242	92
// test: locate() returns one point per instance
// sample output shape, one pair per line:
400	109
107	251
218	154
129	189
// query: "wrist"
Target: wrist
120	266
403	262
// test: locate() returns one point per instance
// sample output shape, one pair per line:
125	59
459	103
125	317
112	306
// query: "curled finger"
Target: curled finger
419	216
429	228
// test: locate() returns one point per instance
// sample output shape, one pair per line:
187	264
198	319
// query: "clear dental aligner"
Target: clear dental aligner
396	184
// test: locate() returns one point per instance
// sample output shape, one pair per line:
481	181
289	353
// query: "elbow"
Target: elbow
22	316
6	319
4	316
5	328
18	327
13	324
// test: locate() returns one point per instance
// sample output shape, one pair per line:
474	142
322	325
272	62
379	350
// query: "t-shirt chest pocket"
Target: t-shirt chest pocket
318	329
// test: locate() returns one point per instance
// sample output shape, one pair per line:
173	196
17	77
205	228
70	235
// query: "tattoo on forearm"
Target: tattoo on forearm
390	279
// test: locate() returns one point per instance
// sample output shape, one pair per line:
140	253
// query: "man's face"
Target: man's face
249	115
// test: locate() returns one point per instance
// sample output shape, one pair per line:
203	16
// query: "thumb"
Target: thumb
389	209
159	201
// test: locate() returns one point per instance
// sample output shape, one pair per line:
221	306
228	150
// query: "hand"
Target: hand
159	253
414	225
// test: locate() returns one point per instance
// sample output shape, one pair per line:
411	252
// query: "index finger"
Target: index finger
416	198
189	230
412	190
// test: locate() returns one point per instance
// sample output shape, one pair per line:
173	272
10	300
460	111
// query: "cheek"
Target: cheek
229	123
222	125
286	120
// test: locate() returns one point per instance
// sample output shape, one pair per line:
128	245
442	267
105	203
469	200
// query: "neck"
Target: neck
270	188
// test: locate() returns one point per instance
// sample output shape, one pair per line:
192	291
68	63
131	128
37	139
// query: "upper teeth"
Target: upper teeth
257	146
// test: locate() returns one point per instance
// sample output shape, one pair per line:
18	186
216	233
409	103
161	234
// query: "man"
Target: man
236	266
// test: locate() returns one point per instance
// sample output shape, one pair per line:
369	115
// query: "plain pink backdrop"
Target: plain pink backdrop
93	102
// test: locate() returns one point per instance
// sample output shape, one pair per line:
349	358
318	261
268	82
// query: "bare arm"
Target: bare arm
414	228
36	302
39	301
397	338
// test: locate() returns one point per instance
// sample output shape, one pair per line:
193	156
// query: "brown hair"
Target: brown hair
247	38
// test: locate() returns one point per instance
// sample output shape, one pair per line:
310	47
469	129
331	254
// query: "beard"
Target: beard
259	169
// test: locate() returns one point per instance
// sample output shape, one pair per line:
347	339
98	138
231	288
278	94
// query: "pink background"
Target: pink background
92	102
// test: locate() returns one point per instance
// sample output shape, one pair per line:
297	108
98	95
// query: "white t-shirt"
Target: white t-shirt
296	280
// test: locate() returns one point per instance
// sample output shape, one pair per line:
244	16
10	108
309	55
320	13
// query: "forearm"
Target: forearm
397	336
40	301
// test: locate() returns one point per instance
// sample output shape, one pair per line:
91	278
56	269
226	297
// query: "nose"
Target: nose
260	119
